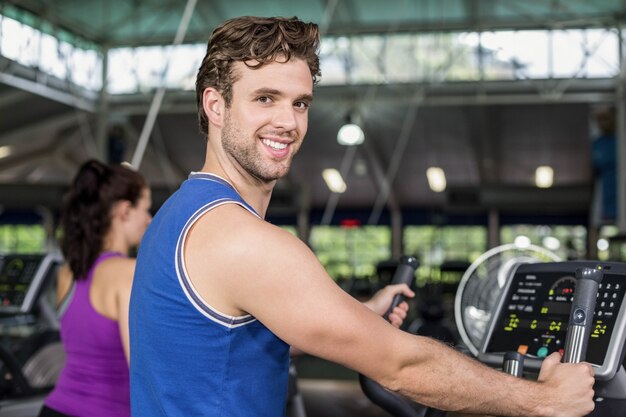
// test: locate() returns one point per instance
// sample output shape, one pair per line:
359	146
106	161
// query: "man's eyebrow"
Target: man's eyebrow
274	92
305	97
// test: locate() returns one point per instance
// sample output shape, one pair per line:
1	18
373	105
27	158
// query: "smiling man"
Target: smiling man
220	295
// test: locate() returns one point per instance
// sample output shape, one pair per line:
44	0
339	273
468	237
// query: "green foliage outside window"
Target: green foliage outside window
611	245
348	253
22	238
434	245
568	242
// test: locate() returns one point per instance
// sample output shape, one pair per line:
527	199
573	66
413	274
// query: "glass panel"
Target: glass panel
367	59
611	244
146	68
604	58
448	245
568	242
515	55
122	76
351	253
30	47
22	239
334	59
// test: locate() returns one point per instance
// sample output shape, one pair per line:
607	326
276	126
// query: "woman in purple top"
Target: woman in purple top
104	216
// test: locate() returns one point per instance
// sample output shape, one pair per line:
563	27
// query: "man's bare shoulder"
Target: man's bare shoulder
232	257
237	230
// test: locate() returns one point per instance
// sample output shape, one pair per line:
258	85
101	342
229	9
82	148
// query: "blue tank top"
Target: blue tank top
187	358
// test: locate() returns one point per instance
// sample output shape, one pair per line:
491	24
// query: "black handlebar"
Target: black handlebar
395	404
405	274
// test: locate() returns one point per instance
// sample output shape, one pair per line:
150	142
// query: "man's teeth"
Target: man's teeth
274	145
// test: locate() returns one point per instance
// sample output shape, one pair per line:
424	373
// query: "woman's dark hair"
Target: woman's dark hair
255	41
86	215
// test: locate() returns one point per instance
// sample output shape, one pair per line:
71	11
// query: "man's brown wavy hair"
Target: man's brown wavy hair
255	41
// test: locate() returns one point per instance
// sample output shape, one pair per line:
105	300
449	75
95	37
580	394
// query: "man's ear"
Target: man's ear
213	105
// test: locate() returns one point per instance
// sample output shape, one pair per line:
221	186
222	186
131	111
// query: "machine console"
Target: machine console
21	279
533	313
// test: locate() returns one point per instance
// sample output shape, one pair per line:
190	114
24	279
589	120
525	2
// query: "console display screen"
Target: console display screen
17	273
534	316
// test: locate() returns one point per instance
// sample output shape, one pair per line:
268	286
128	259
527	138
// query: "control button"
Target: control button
522	349
603	304
542	352
561	351
611	304
579	316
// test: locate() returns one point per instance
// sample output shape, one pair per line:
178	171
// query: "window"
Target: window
22	239
350	253
568	242
435	245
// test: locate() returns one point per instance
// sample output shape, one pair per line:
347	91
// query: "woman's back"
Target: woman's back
95	380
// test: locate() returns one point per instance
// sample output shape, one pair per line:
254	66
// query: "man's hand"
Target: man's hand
571	384
380	302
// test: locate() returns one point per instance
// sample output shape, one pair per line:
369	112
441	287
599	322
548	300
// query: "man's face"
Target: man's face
267	120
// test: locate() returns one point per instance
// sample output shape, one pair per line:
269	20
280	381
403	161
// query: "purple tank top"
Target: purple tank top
95	379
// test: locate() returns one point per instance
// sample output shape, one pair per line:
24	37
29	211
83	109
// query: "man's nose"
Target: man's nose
285	118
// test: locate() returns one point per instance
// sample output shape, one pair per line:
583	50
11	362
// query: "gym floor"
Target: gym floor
330	390
333	398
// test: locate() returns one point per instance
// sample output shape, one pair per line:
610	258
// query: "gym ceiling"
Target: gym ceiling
488	135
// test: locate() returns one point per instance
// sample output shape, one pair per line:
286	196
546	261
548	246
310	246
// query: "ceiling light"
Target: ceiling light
350	134
5	151
522	242
551	242
544	176
436	179
334	181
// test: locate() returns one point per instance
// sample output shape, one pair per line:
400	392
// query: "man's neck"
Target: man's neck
254	192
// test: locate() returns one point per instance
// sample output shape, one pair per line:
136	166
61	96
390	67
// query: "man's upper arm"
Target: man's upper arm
241	264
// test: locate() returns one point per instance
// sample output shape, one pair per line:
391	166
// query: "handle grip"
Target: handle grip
581	315
405	274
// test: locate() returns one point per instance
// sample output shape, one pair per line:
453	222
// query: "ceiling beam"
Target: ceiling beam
48	92
46	11
457	94
12	97
51	123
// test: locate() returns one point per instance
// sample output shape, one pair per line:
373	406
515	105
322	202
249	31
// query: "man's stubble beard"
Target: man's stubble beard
248	156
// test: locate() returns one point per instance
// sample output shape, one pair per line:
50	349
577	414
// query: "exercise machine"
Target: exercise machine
31	355
533	318
526	316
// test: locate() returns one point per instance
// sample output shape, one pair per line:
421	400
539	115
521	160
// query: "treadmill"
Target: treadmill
31	355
